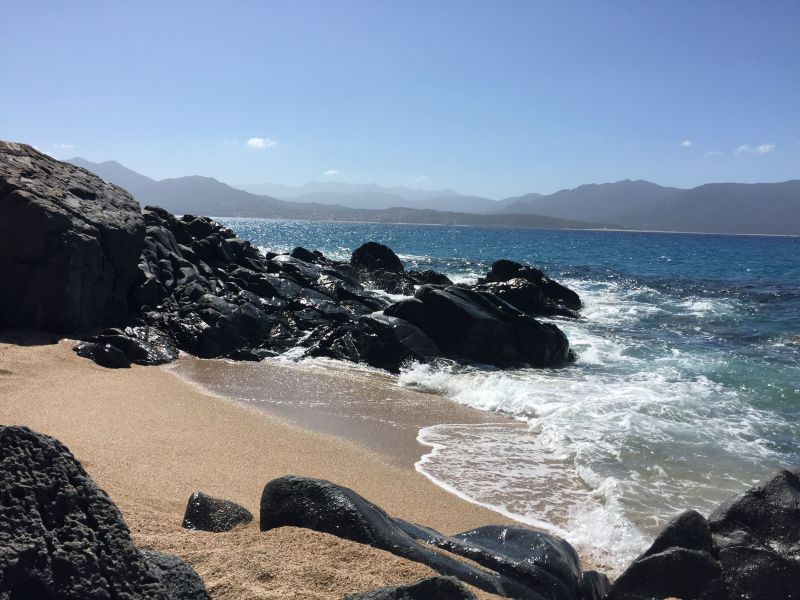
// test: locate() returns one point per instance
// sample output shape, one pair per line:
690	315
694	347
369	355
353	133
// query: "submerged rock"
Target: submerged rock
515	562
206	513
432	588
62	537
69	244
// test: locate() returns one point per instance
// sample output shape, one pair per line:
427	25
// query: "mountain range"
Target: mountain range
762	208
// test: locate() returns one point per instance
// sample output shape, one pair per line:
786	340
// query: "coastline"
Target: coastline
150	440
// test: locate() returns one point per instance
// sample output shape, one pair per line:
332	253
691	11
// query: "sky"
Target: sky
495	98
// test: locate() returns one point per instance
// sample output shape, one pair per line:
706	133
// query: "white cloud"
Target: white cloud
686	143
418	178
257	143
64	146
765	148
331	172
712	154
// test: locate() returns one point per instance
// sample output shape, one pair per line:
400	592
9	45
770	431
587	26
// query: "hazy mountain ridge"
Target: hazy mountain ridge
766	208
196	194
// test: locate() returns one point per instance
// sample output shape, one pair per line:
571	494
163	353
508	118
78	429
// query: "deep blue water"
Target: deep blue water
686	390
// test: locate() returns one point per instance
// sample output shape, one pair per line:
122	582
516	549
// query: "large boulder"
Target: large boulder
514	562
373	256
432	588
206	513
479	327
69	244
505	270
758	537
61	536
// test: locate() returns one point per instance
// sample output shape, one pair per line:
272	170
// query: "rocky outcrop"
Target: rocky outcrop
514	562
62	537
748	548
206	513
554	292
432	588
69	244
373	256
77	253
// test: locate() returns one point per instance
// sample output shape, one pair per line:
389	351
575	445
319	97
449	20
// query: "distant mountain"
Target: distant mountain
592	202
767	208
287	192
113	172
207	196
372	196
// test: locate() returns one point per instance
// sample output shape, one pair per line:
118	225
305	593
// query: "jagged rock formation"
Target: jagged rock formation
61	536
515	562
748	548
69	243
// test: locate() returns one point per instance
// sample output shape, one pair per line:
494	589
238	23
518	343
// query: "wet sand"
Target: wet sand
362	405
150	440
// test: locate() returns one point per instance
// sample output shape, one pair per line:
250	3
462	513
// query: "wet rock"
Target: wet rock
206	513
423	277
140	345
483	329
506	571
504	270
69	244
688	530
526	297
373	256
432	588
675	572
62	537
758	536
104	355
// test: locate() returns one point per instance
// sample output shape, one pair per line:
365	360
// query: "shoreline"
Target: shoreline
150	440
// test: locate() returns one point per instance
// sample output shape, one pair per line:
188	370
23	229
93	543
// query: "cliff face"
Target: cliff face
69	243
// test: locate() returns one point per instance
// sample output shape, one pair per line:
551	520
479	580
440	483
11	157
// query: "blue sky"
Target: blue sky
495	98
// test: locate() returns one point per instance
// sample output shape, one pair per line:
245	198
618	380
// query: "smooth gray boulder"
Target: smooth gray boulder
69	244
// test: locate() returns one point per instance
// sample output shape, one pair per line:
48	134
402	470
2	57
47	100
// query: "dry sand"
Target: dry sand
150	440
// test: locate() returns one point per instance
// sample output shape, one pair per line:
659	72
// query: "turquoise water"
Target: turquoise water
686	389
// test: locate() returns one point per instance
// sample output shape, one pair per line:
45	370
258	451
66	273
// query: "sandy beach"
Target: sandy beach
150	439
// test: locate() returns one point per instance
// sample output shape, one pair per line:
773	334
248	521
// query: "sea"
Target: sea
685	392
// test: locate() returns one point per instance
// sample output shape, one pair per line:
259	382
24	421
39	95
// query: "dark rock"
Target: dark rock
676	572
323	506
758	536
688	530
212	514
433	588
504	270
63	538
760	574
481	328
373	256
542	562
139	345
307	255
767	516
526	297
423	277
594	586
104	355
179	580
69	244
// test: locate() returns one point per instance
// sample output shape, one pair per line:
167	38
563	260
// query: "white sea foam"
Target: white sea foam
616	444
